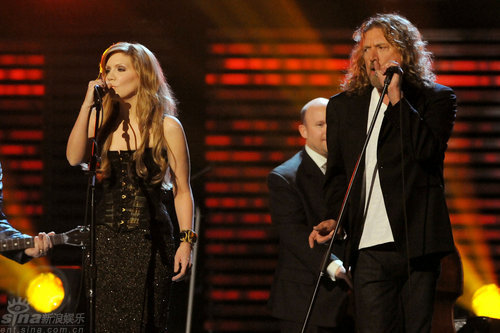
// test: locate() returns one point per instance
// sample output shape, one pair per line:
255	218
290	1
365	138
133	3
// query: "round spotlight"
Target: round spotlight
45	293
486	301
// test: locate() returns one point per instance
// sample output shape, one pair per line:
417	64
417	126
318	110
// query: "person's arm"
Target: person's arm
336	179
336	270
289	217
83	129
42	241
428	129
8	232
178	159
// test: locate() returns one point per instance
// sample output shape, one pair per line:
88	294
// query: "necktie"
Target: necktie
323	168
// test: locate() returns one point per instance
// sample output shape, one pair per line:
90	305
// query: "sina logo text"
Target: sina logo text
18	313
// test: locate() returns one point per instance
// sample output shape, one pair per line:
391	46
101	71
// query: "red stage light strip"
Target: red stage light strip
469	80
251	172
237	234
21	74
240	325
21	135
223	187
461	172
289	49
473	157
254	141
22	195
242	279
275	79
483	95
473	204
32	165
244	156
235	294
486	235
476	127
22	90
475	218
20	150
273	93
340	64
473	143
272	79
247	111
287	64
467	65
251	125
243	218
23	209
25	60
233	202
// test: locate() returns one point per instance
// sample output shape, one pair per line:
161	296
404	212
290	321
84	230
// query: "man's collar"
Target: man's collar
318	159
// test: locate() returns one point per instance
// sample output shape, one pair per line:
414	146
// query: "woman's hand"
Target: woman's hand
83	129
89	96
182	261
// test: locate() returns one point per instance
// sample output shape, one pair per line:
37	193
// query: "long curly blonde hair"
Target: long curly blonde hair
155	100
405	37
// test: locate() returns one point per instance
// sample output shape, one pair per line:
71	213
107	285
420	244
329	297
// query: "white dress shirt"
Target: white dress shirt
377	229
318	159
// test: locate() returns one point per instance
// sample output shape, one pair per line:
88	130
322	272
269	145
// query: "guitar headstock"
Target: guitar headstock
77	236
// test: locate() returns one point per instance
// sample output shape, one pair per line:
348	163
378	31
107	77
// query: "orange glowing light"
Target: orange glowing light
486	301
45	292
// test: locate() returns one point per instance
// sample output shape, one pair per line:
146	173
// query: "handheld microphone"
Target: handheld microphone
99	93
389	72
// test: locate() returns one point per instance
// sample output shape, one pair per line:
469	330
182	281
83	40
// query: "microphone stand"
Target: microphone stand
192	279
94	157
326	257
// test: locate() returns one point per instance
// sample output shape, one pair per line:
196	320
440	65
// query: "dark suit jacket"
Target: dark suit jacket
6	230
427	118
296	205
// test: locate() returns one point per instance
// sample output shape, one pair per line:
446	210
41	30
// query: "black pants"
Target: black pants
385	299
295	327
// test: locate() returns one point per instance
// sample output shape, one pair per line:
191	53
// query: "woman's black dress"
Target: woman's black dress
134	250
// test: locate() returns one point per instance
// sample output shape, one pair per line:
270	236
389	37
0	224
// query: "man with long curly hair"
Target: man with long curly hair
396	220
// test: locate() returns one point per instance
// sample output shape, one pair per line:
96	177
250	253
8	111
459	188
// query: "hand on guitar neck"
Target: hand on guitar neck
42	245
38	246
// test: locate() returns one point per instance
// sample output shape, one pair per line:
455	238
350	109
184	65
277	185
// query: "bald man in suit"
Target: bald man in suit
296	205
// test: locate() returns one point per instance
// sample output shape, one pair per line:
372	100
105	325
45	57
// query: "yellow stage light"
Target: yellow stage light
486	301
45	292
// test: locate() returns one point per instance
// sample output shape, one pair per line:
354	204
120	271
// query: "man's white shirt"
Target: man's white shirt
377	229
